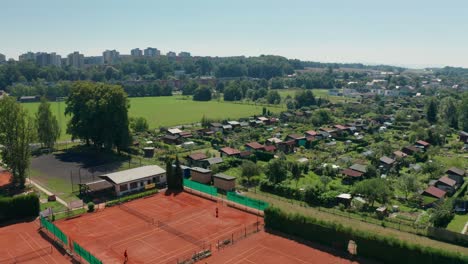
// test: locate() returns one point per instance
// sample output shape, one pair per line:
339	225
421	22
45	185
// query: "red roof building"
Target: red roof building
197	156
270	148
351	173
447	181
227	151
434	192
422	143
254	146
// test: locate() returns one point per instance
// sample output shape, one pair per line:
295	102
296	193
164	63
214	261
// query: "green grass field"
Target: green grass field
458	223
169	111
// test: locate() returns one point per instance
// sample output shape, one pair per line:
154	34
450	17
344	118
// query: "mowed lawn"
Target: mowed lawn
169	111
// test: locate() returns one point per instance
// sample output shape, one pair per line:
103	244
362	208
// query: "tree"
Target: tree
232	92
463	112
202	93
296	172
448	112
305	98
273	97
189	88
277	170
431	111
48	130
249	169
178	175
139	124
442	214
374	190
96	107
408	184
169	174
17	131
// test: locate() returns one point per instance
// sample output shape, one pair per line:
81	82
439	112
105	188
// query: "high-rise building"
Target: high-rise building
110	56
184	54
152	52
171	54
136	52
48	59
93	60
75	59
2	58
28	56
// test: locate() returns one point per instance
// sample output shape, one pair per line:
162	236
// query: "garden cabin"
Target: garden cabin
201	175
229	152
446	184
195	159
224	182
456	174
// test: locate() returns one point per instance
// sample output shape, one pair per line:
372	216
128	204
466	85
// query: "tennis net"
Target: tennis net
136	213
191	239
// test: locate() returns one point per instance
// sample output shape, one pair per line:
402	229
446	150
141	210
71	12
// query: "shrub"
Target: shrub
131	197
19	207
370	245
90	207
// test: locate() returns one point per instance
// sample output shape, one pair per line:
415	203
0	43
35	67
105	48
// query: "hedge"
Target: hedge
282	190
19	207
131	197
369	245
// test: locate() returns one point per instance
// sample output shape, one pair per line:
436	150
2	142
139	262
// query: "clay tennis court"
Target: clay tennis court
267	248
189	224
23	243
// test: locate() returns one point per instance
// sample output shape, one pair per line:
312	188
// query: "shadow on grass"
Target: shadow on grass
327	249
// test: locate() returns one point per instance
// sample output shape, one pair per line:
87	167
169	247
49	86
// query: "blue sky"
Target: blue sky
413	33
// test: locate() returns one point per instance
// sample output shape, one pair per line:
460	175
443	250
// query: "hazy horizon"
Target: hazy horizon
414	34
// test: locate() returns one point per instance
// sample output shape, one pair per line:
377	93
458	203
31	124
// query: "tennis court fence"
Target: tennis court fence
138	214
252	203
28	256
239	234
210	190
54	230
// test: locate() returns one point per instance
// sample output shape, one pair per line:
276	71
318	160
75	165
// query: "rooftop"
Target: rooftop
351	173
133	174
387	160
456	171
436	192
230	151
224	176
359	167
446	180
254	145
201	170
197	156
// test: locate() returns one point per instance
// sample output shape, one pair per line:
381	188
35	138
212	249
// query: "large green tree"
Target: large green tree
99	114
375	189
431	111
463	112
16	134
277	170
48	129
448	112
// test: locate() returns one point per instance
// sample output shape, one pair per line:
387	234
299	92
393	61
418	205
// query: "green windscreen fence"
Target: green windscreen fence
253	203
85	254
54	230
201	187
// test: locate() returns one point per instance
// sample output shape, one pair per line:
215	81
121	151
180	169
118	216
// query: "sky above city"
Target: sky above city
411	33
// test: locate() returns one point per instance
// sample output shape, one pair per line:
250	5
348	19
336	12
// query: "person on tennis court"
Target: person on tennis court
126	256
216	212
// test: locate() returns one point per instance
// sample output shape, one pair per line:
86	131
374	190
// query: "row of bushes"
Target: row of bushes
19	207
131	197
282	190
369	245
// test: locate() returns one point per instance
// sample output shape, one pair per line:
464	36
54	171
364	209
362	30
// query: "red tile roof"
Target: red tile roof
446	180
230	151
422	143
270	148
351	173
254	145
340	127
197	156
311	133
434	191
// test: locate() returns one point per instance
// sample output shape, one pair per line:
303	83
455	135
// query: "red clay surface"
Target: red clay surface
22	243
108	233
267	248
5	178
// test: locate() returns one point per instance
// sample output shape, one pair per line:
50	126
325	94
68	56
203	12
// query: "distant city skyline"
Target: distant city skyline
401	33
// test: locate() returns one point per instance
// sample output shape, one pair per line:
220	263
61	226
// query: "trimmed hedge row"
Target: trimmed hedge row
369	245
19	207
131	197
